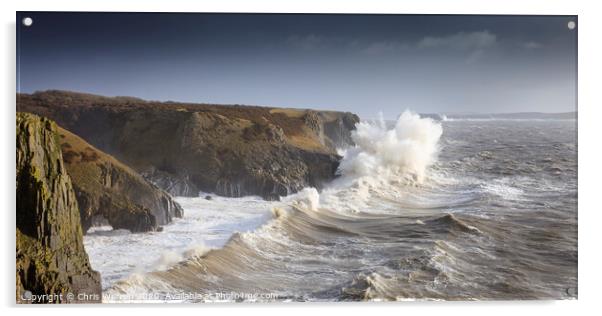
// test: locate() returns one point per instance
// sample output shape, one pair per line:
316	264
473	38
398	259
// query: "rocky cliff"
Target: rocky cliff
185	148
109	190
50	255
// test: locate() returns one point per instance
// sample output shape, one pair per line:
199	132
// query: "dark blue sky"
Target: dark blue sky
359	63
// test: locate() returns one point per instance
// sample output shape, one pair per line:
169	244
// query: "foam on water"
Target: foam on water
402	221
503	189
408	148
384	161
207	224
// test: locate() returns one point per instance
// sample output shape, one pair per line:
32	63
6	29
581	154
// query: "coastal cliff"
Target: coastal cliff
110	191
230	150
50	255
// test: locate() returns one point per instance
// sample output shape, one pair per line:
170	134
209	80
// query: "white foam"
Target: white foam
207	224
308	198
373	167
166	260
503	188
381	164
408	148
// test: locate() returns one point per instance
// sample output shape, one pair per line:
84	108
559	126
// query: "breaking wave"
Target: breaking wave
408	148
397	224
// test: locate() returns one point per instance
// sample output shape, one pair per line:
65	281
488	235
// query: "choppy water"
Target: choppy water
492	216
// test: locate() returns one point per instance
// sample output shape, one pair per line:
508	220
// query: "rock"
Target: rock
313	121
175	185
229	150
208	197
50	254
109	189
338	129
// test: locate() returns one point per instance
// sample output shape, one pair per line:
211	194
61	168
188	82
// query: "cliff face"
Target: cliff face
50	255
108	189
185	148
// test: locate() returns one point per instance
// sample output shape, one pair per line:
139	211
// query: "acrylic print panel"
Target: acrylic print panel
295	157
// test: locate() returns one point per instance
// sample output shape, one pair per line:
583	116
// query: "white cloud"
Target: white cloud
306	42
383	47
474	56
461	40
473	45
532	45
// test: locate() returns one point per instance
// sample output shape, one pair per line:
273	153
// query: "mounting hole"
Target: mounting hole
571	25
27	21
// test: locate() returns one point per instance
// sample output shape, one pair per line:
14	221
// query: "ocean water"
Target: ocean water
422	210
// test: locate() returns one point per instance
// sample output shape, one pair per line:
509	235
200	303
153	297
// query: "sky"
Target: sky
365	64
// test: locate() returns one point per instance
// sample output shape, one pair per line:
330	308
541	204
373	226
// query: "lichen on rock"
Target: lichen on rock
50	255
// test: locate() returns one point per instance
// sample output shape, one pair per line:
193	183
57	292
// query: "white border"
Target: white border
590	185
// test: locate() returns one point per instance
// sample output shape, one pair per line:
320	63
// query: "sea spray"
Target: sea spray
308	198
206	226
380	165
169	258
166	260
408	148
375	237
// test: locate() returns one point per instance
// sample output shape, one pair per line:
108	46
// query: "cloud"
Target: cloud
383	47
532	45
306	42
461	41
474	56
474	42
472	45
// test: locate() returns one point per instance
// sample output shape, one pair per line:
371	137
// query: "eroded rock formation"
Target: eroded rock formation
186	148
50	255
108	189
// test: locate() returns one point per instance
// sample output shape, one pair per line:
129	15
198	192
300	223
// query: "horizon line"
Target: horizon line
277	106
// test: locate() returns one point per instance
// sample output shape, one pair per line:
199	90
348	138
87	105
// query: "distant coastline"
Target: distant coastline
503	116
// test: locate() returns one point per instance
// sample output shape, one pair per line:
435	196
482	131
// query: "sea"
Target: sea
422	209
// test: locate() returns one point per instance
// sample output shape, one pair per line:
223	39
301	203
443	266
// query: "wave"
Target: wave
377	179
307	255
119	253
406	149
395	225
385	170
496	119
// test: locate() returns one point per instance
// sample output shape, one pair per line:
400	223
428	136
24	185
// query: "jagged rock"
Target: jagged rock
186	148
176	185
107	188
338	130
50	255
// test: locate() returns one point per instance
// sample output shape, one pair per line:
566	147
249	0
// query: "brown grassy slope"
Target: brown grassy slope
108	188
291	121
231	150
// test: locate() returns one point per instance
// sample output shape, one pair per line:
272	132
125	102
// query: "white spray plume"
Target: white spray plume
308	198
409	148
